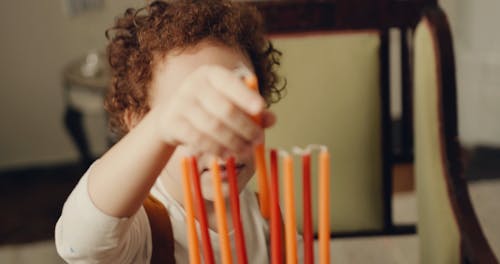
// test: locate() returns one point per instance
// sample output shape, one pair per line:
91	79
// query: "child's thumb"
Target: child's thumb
268	119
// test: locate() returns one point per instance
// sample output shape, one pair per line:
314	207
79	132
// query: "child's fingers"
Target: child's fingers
268	119
197	141
231	86
215	130
184	133
224	110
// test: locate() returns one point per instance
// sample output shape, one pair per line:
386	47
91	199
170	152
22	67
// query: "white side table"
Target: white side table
84	94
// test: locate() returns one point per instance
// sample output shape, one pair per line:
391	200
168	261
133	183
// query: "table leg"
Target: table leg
73	119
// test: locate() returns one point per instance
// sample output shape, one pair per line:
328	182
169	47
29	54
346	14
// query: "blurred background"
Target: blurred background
52	62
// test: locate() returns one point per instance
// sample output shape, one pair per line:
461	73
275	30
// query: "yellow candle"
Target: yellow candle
194	254
324	207
220	211
290	221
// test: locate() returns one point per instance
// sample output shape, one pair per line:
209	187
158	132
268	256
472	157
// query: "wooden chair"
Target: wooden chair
448	229
336	62
338	95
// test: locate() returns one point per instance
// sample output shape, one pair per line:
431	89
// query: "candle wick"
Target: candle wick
319	147
283	153
300	151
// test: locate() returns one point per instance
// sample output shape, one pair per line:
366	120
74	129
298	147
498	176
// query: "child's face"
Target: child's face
170	72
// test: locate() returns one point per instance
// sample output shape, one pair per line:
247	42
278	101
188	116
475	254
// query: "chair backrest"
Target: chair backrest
448	229
338	95
336	62
334	98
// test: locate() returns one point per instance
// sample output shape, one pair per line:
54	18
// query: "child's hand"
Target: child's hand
211	112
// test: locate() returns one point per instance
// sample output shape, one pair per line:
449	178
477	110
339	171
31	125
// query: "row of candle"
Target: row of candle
270	212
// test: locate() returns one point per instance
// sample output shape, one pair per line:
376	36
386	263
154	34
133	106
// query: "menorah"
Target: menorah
269	201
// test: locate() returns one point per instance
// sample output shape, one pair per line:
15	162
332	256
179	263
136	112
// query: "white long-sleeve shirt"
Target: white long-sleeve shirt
84	234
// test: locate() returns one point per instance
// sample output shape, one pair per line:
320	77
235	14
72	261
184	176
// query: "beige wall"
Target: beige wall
476	39
37	40
477	52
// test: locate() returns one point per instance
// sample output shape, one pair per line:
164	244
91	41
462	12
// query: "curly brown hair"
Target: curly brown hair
165	25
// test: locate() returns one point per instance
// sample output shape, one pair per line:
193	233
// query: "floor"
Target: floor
400	249
21	242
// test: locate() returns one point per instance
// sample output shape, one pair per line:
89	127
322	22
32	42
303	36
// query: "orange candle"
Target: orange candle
276	233
220	211
235	211
260	160
208	253
194	254
324	207
252	83
260	163
290	221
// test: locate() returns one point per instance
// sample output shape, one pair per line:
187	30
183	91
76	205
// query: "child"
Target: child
174	93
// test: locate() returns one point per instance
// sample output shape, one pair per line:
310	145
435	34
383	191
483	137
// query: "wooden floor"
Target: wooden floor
32	198
402	178
395	249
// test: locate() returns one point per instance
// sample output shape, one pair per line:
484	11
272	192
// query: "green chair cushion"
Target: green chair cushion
437	229
333	99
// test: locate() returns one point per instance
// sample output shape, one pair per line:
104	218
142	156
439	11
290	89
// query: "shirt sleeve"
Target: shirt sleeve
84	234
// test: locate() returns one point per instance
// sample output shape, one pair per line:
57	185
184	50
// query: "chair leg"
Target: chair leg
73	120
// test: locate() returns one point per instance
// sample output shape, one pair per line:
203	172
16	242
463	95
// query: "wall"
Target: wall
477	57
477	53
37	41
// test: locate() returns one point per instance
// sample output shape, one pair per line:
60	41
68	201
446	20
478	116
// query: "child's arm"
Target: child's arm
209	112
120	181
